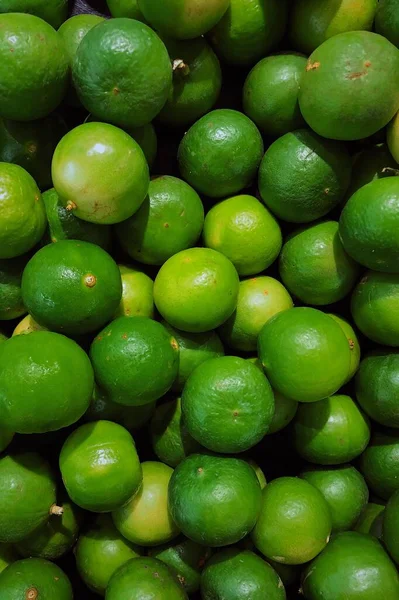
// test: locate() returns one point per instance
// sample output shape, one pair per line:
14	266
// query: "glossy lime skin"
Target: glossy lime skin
240	575
31	145
344	490
294	524
169	220
34	67
387	21
125	8
313	22
220	153
195	348
8	555
249	30
100	173
73	31
370	164
353	565
38	390
144	578
295	347
182	20
100	551
170	438
391	526
270	93
331	432
11	304
379	463
303	176
377	387
214	500
375	306
24	578
137	294
100	467
242	229
72	287
315	267
22	214
197	82
135	360
196	290
146	518
23	509
227	404
122	72
360	69
353	341
259	299
368	225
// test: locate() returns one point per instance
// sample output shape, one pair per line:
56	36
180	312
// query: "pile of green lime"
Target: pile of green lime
199	300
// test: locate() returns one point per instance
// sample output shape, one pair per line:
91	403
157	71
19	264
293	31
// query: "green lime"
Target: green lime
375	162
180	19
387	20
22	214
72	287
100	173
302	176
135	360
249	30
344	490
294	524
375	302
259	299
195	348
270	93
8	555
393	139
137	294
169	220
33	578
25	481
220	153
314	265
227	404
360	70
330	432
100	551
214	500
240	575
369	222
146	519
170	438
144	578
244	230
53	365
100	467
33	67
379	463
6	437
53	11
258	472
353	341
391	526
196	290
125	83
197	81
369	520
185	559
28	325
125	8
305	354
63	225
11	304
284	411
313	22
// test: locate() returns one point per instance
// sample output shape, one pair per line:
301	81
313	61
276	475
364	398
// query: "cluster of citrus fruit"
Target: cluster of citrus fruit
199	300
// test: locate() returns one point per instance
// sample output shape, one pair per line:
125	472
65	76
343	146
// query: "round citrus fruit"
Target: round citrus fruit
352	341
303	176
284	411
214	500
6	437
391	526
243	229
360	70
370	520
137	294
11	304
28	325
379	463
270	93
145	519
22	214
52	364
315	267
125	8
52	11
375	162
135	360
330	432
33	578
220	153
294	524
100	173
125	83
305	354
387	20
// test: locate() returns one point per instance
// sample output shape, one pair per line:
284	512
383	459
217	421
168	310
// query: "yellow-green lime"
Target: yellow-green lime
393	137
27	325
137	294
